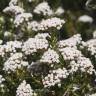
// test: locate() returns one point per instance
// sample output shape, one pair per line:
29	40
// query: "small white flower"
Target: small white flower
6	33
31	0
2	51
42	35
94	34
33	25
85	18
44	9
1	41
1	81
59	11
91	47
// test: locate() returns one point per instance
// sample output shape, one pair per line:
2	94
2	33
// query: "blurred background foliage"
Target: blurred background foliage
73	9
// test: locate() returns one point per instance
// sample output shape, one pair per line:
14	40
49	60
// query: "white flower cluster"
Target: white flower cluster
85	19
13	9
46	24
68	49
1	81
20	16
43	9
71	42
25	89
55	77
42	35
69	53
12	46
91	46
19	19
83	64
34	44
14	62
51	23
50	57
